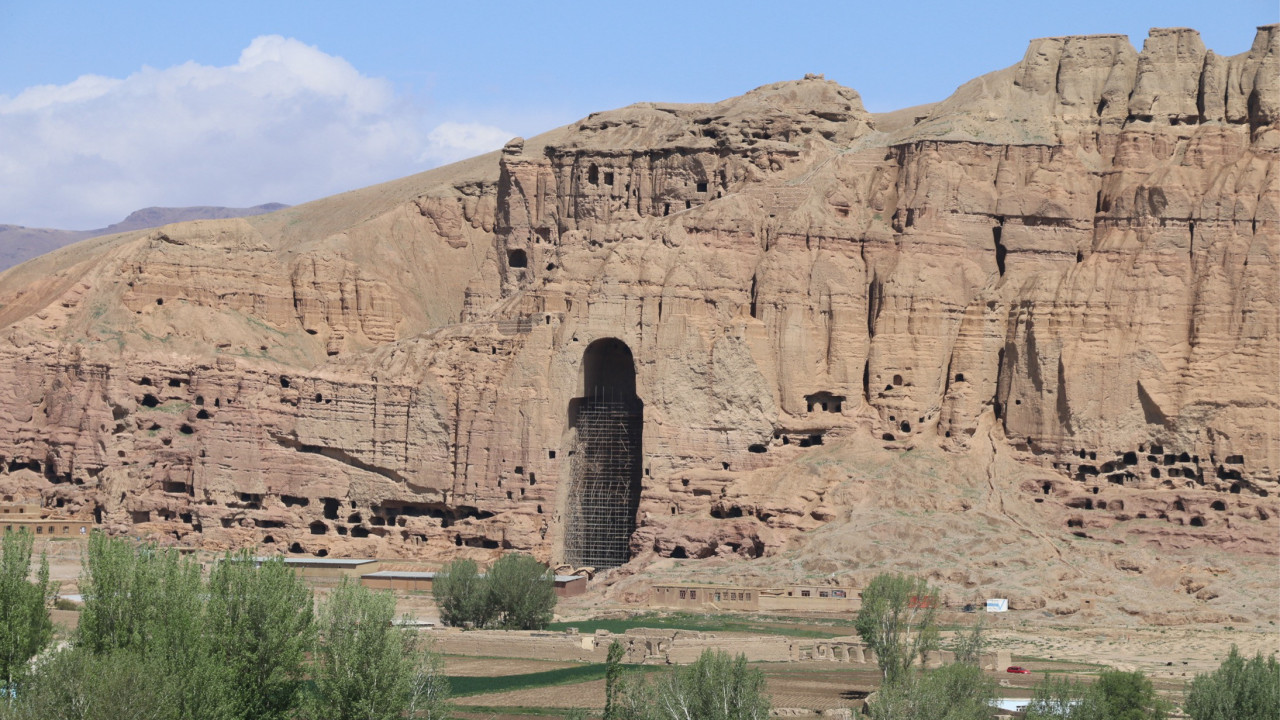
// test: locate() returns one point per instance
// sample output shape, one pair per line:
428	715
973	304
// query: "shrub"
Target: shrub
75	683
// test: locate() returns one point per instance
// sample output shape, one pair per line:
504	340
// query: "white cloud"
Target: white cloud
286	123
452	141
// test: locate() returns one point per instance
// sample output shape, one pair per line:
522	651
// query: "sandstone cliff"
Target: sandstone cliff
1060	285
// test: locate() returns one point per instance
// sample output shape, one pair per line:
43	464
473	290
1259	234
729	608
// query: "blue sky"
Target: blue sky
108	107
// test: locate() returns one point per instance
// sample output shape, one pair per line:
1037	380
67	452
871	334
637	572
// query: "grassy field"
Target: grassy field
464	685
485	712
790	627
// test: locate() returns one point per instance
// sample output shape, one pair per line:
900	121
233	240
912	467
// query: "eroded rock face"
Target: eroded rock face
1074	259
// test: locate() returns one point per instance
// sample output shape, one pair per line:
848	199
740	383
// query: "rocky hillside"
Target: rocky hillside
1041	315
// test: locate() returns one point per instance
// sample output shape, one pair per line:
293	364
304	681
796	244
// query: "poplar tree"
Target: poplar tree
259	623
362	662
1239	688
25	627
898	620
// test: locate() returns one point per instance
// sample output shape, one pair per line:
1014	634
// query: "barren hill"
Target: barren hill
19	244
1024	342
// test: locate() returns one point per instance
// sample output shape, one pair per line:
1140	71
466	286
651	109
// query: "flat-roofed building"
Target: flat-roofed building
700	596
16	516
329	568
399	580
46	527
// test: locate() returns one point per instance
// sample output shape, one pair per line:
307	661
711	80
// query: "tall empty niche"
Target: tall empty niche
604	492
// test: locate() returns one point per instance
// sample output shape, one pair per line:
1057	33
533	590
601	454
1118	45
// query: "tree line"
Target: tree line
160	640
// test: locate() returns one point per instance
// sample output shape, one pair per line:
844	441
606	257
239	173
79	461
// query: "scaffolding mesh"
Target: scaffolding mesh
605	492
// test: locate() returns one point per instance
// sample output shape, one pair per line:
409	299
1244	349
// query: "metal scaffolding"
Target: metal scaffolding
604	493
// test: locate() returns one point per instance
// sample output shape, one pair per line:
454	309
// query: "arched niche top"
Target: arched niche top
608	370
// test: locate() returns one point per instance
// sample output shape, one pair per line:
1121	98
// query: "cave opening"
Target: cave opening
824	401
1000	248
604	490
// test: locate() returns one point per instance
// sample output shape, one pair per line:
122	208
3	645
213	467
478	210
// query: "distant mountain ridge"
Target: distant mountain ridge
19	244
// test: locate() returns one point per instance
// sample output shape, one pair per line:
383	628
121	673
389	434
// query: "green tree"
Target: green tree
969	645
75	684
362	662
715	687
1239	688
140	598
149	602
953	692
1115	696
633	698
259	622
893	701
428	687
958	691
1064	698
612	678
462	595
898	620
25	627
1129	696
522	592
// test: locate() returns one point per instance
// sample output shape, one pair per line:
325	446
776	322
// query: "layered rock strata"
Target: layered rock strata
1074	258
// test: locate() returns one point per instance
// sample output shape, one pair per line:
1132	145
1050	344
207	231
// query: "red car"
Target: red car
1018	670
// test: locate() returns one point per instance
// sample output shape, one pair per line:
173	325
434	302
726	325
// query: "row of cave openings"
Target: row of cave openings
596	177
1117	507
151	401
1159	465
380	520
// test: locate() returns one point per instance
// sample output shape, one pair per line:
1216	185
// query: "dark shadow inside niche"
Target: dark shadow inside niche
824	401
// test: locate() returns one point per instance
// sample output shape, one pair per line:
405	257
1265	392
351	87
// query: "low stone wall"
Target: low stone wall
649	646
520	644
